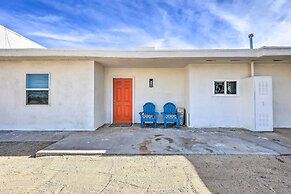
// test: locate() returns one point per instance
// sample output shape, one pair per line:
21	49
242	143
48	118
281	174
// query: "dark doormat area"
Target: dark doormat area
120	125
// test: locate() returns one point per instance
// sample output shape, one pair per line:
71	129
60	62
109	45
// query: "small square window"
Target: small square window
37	89
218	87
225	88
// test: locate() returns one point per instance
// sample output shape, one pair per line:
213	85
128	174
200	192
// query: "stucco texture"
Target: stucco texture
81	93
281	74
71	96
168	87
206	109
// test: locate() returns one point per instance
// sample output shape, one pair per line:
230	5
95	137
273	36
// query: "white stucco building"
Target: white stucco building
74	89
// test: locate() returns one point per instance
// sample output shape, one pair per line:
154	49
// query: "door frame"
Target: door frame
111	95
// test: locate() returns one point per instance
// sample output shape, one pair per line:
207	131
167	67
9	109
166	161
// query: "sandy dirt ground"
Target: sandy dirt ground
98	174
245	173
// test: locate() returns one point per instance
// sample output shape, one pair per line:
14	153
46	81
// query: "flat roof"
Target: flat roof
93	53
153	57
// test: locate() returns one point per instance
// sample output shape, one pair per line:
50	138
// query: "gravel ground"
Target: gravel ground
22	148
244	174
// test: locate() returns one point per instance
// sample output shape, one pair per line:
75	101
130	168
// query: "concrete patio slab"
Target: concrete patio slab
135	140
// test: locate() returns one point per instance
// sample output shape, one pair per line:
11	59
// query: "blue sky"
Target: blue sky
168	24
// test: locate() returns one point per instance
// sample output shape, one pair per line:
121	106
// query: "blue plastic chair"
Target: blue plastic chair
170	114
148	114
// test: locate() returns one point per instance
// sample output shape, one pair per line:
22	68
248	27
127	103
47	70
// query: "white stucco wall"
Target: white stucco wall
99	116
214	111
281	74
168	86
71	96
81	94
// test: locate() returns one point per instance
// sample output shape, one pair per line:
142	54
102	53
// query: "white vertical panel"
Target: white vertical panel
264	103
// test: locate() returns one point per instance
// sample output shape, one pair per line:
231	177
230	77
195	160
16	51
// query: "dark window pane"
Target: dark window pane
37	80
231	87
36	97
218	87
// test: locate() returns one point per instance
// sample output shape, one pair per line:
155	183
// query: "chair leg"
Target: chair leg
155	124
178	124
165	124
141	124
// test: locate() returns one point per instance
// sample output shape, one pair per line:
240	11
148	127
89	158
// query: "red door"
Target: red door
122	100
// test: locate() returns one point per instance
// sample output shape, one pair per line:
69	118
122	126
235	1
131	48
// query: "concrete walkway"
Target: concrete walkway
135	140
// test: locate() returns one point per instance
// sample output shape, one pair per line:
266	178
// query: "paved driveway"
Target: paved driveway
135	140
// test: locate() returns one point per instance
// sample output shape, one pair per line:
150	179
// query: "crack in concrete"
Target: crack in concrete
63	186
147	189
110	178
131	184
109	181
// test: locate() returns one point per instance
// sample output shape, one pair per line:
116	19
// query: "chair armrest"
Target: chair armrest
140	113
156	115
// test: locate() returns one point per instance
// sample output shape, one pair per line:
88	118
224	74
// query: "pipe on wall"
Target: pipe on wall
252	68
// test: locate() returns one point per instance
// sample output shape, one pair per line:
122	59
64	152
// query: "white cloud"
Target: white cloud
238	23
60	36
170	43
167	24
269	20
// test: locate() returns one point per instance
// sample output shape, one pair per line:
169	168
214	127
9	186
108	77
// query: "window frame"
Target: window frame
38	89
225	87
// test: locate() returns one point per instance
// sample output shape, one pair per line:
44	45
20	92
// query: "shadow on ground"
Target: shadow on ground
22	148
27	143
244	173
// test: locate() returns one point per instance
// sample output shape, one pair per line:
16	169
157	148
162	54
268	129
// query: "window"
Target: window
222	88
37	89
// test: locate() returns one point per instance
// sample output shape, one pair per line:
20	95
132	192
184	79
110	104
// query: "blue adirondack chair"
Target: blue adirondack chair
170	114
148	114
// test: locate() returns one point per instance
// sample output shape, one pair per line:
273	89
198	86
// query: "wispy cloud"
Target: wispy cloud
162	24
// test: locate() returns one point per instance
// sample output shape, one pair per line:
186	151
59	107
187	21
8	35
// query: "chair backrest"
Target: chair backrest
170	108
149	108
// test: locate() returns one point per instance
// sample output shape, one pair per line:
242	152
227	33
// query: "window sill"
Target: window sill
225	95
37	105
